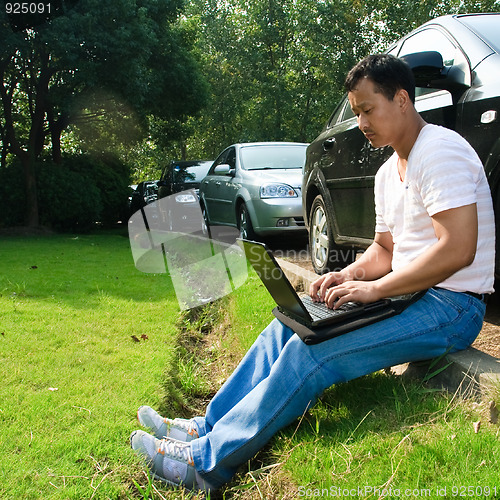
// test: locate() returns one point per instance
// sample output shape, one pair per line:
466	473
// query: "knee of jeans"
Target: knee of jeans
276	329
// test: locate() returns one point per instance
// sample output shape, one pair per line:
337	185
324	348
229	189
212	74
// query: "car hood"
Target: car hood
290	176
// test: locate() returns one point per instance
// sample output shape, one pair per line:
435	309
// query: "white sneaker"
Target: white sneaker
169	460
178	428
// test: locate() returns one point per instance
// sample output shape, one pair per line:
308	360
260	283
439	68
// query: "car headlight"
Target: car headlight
277	191
185	198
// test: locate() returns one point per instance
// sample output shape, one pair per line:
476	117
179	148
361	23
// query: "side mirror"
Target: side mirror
426	67
224	169
430	72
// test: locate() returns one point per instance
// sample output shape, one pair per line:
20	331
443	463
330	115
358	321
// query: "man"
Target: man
434	230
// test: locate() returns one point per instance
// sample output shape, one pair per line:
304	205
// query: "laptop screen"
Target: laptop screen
273	277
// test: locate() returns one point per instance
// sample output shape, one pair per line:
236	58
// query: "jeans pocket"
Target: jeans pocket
469	331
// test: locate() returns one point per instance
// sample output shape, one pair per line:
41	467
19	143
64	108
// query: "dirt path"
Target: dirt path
489	339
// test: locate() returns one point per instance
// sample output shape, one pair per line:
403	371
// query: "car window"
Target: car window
231	158
347	111
219	161
186	173
486	27
435	40
272	157
431	39
335	115
342	113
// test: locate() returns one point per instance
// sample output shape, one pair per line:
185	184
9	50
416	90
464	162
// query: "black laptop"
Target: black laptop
314	321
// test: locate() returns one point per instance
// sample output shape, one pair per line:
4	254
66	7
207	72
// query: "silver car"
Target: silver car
256	188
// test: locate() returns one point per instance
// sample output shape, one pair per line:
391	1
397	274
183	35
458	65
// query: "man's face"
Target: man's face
378	118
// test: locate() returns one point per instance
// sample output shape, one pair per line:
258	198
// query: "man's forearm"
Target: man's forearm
374	263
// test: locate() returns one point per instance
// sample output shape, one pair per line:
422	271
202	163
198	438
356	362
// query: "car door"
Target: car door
209	189
216	189
351	187
349	179
435	105
226	188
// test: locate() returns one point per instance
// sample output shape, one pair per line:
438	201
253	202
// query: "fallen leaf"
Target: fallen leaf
493	412
134	338
477	426
144	337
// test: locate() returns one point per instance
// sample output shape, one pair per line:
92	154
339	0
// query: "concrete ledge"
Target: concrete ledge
471	372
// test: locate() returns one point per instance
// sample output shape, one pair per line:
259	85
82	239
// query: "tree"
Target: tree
277	67
132	51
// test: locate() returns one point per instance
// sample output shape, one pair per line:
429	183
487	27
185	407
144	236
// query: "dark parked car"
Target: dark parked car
180	176
145	193
456	62
178	190
255	187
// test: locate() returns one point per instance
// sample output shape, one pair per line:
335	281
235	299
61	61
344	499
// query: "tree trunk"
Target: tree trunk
31	218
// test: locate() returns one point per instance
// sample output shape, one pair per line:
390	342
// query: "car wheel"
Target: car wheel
325	254
245	224
205	225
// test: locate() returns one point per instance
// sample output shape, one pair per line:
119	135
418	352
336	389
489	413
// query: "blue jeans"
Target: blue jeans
280	376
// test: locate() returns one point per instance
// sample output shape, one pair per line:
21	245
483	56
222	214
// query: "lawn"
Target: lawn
85	339
72	375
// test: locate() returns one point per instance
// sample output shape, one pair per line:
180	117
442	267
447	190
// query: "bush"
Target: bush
67	200
112	179
12	196
72	196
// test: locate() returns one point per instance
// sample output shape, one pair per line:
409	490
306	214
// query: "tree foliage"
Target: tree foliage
277	67
106	73
131	56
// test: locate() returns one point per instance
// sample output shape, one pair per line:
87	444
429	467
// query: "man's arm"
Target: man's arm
455	248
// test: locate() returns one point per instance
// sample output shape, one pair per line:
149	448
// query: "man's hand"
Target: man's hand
352	291
318	289
374	263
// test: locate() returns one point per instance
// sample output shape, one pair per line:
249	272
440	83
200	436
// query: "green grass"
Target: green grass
73	377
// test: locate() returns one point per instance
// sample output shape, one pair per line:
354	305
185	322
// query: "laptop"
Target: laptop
314	321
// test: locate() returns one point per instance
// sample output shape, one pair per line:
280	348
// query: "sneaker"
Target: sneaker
178	428
169	460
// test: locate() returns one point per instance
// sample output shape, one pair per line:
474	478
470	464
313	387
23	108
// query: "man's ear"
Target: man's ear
403	99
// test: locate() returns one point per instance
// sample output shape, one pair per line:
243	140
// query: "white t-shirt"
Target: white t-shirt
443	172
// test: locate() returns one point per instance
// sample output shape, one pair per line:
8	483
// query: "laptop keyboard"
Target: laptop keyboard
319	310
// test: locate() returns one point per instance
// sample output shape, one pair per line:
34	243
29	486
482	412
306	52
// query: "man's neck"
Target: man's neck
403	149
409	138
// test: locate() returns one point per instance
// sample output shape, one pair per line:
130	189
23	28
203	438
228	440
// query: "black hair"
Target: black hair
388	73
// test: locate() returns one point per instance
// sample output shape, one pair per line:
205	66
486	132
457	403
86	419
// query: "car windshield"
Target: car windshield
485	26
272	157
192	173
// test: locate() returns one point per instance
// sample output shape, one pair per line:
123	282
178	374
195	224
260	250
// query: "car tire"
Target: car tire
325	254
205	224
245	226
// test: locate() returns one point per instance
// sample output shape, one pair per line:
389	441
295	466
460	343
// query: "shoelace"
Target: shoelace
188	425
176	449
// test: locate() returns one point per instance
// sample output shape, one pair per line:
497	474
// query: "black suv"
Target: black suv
456	62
